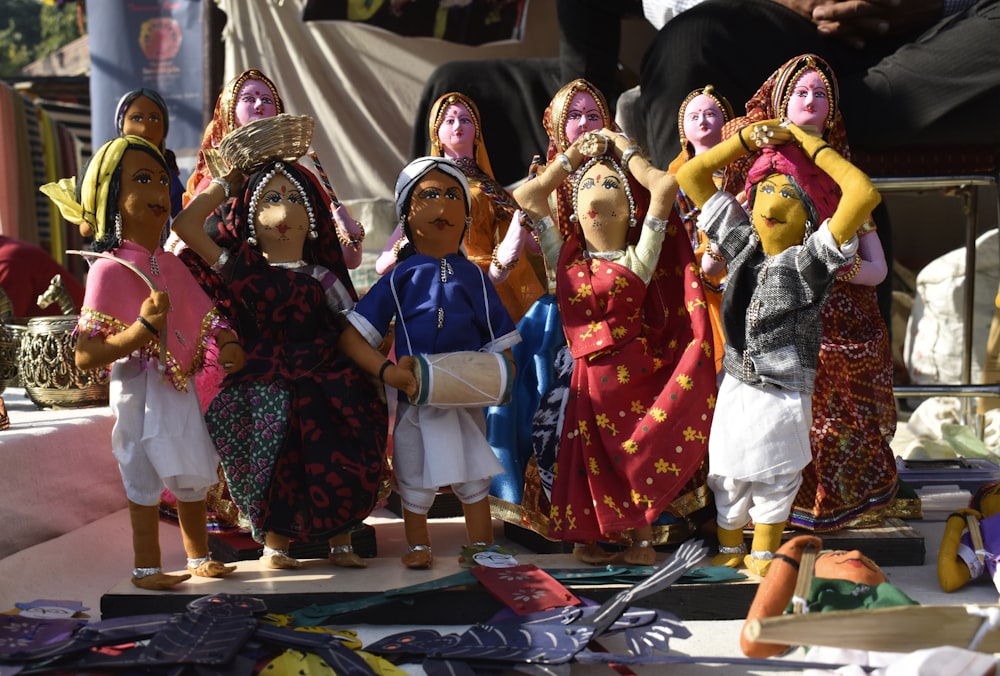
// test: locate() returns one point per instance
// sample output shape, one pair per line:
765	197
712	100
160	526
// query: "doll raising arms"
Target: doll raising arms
782	263
283	278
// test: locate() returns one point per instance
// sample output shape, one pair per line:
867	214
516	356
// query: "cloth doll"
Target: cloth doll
852	477
440	302
639	406
301	431
456	133
154	347
782	261
251	95
702	116
843	580
542	358
971	542
143	112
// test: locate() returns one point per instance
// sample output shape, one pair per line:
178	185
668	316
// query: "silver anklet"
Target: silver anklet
342	549
761	555
419	548
194	563
733	550
139	573
269	552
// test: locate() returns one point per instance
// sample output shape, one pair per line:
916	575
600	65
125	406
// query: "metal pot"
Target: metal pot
47	366
10	342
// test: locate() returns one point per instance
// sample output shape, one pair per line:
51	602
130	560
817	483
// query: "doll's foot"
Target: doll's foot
278	559
467	558
209	567
418	557
592	554
641	553
730	556
155	579
758	562
343	556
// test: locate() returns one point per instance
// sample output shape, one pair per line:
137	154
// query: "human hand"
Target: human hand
154	309
858	22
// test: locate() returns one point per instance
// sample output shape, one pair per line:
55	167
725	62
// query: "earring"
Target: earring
118	226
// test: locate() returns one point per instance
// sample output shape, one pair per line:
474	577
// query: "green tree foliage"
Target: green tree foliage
30	30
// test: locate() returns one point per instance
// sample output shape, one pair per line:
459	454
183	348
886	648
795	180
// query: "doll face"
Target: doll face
809	103
144	199
254	101
778	215
437	214
703	120
852	565
281	219
457	131
144	118
583	115
601	201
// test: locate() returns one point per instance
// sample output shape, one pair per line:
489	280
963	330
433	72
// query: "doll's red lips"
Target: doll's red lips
441	224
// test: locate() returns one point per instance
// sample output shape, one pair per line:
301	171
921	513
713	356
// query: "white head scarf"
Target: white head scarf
420	167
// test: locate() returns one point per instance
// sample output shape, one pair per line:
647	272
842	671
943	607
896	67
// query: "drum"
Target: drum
47	366
463	379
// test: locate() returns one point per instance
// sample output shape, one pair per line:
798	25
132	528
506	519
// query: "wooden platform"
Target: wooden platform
895	543
320	583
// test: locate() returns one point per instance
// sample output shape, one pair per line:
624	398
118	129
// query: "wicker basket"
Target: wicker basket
282	137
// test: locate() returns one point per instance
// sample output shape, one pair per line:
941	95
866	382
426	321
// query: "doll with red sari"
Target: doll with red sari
639	407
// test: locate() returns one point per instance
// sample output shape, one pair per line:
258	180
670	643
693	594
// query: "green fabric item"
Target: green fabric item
828	594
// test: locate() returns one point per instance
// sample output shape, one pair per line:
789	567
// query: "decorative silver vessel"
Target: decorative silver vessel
10	342
47	366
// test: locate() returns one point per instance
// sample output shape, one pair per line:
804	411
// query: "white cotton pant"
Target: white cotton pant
435	447
769	501
159	437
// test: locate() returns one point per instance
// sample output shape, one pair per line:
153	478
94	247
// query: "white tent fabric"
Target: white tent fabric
361	84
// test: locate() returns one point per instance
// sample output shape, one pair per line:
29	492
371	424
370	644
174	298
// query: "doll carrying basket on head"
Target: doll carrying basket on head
282	137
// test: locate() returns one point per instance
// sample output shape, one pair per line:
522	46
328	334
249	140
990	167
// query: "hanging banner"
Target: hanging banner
155	44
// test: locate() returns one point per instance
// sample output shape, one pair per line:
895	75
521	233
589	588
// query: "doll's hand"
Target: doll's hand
232	358
769	133
234	178
155	308
811	144
401	376
593	144
712	262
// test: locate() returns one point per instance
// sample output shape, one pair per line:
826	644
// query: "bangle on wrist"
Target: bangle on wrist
819	150
564	162
787	559
381	372
853	272
224	183
500	266
714	256
353	241
221	261
743	141
627	155
149	327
